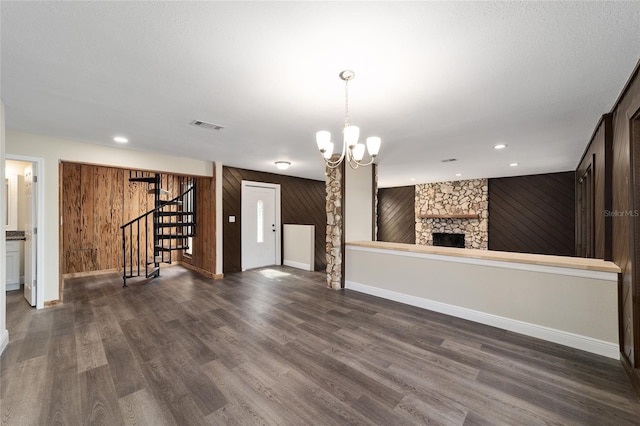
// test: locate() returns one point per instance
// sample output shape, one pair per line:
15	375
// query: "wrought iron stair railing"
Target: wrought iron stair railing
150	239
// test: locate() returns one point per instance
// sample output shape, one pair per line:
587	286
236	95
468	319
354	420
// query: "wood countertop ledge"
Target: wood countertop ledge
500	256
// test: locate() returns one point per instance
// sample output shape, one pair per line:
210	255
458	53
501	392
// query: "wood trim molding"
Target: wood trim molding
608	185
633	373
450	216
4	340
576	266
342	237
374	202
208	274
634	203
90	273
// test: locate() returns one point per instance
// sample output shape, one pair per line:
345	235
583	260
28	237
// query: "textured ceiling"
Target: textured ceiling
434	80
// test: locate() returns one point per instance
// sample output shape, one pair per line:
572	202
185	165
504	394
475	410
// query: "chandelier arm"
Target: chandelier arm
370	162
336	163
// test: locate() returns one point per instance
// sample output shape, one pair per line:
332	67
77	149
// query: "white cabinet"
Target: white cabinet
13	265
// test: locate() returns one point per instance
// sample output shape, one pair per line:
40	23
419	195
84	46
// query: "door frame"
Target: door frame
39	224
244	213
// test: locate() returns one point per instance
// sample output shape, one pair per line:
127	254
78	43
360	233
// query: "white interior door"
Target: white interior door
30	244
260	226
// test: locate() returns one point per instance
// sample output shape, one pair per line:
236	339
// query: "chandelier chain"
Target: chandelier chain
346	102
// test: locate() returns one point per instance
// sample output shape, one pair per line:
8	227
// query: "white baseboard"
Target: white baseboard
577	341
4	340
14	286
298	265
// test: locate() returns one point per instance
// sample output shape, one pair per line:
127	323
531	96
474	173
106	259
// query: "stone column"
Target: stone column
335	226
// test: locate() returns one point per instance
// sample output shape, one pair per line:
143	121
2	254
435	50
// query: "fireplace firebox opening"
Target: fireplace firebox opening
448	240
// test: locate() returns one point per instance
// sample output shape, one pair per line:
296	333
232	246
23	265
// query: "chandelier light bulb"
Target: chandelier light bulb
351	135
323	139
373	145
358	152
328	153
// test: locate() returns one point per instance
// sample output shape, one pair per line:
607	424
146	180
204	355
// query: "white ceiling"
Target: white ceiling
434	80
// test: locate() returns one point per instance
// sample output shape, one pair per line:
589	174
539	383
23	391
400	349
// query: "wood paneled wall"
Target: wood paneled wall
396	214
533	214
97	200
303	203
625	223
203	257
595	240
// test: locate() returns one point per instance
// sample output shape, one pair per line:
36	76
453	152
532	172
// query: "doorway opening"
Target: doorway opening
260	225
24	178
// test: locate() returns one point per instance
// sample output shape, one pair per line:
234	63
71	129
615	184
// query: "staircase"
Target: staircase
151	238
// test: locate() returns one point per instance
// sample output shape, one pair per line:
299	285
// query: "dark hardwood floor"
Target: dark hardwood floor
273	346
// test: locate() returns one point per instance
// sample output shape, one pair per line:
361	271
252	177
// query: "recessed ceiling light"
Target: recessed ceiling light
120	139
458	174
412	179
513	164
500	146
283	165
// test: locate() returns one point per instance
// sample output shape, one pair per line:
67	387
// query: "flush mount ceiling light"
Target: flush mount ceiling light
500	146
352	151
514	164
458	174
120	139
283	165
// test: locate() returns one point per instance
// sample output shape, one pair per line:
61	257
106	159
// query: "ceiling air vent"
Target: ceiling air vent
449	160
205	125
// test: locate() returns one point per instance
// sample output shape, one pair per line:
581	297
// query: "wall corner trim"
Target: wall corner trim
4	340
596	346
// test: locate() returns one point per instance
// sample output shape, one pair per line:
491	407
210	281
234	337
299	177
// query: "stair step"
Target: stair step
157	259
161	191
175	224
169	213
172	237
148	179
171	203
153	273
171	248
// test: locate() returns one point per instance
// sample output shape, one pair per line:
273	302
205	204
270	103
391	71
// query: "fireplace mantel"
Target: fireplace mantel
450	216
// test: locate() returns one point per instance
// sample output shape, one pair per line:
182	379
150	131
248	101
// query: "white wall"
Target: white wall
577	308
54	150
358	204
298	246
4	335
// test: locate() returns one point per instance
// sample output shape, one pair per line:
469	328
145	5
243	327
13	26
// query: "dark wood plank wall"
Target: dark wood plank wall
632	295
533	214
396	214
97	200
625	199
599	158
303	203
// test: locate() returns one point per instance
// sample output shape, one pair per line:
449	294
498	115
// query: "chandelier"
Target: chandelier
352	151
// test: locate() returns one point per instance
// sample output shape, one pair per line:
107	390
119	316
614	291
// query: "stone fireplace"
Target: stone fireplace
458	207
443	239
